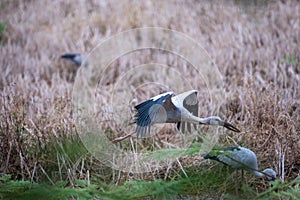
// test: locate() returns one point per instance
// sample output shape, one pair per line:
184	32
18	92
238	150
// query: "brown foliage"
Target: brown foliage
250	45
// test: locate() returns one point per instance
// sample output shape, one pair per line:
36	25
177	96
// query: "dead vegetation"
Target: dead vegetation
255	47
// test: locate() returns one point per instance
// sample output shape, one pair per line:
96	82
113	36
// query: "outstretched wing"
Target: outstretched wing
190	102
152	111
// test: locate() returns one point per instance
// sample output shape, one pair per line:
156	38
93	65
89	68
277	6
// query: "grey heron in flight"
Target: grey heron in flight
168	108
240	158
75	58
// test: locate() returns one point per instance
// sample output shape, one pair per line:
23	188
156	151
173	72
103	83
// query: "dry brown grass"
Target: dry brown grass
249	44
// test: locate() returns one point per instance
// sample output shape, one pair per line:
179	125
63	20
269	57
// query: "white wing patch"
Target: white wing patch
161	95
190	98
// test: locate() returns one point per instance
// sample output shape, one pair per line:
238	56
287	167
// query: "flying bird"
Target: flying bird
240	158
168	108
75	58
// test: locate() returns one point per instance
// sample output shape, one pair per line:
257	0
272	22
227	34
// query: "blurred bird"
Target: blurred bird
240	158
75	58
180	109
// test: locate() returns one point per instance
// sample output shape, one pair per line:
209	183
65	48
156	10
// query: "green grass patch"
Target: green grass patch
291	60
207	183
3	26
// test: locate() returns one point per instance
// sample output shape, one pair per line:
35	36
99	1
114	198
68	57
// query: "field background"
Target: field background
255	44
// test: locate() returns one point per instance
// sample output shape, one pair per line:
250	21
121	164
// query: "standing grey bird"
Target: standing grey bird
180	109
76	58
240	158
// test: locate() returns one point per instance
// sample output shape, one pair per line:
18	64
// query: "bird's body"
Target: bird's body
240	158
180	109
75	58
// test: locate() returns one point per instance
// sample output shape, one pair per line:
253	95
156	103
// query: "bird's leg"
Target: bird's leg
119	139
242	176
236	184
182	138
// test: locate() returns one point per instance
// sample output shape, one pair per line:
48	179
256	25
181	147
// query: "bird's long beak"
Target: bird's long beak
231	127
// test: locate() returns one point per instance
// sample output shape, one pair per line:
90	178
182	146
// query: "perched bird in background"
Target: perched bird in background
69	71
240	158
168	108
75	58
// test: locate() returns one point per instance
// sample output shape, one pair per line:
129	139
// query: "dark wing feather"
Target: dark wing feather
149	111
168	104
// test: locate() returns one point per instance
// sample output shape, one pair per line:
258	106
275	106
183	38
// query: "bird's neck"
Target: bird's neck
195	119
189	117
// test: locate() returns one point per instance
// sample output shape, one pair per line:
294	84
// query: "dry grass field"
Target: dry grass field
255	46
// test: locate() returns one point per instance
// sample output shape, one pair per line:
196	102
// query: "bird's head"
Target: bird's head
270	174
215	120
